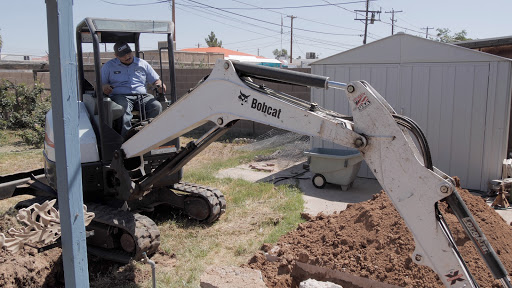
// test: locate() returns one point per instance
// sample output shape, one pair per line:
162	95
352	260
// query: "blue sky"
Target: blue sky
326	27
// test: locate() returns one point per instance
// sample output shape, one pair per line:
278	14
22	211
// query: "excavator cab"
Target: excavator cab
97	31
102	111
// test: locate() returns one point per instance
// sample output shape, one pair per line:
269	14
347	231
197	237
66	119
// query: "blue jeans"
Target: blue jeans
130	102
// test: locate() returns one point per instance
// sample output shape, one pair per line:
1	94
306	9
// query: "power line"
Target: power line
271	23
404	20
231	19
402	27
305	19
291	7
341	7
309	39
138	4
407	29
226	24
326	42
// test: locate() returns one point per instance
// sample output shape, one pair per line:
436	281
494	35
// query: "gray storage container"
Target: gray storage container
334	166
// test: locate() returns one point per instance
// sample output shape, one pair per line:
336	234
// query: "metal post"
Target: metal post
291	38
366	22
63	77
174	20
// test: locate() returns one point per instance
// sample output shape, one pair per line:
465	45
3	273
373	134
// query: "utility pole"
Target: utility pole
291	37
281	32
372	19
427	28
174	20
393	19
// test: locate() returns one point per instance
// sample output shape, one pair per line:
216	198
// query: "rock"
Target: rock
312	283
231	277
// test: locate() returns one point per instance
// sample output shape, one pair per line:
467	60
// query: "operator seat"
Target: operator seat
112	110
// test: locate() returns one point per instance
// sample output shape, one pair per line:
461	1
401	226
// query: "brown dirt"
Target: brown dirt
371	240
28	268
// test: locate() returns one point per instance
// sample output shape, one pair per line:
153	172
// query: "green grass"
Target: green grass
256	213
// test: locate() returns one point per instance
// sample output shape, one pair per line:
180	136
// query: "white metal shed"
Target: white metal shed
461	99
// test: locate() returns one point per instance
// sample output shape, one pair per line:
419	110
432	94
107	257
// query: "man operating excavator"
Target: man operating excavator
124	80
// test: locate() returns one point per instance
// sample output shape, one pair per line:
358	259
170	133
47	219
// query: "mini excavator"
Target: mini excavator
122	177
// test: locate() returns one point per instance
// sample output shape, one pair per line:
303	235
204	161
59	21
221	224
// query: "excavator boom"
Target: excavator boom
413	184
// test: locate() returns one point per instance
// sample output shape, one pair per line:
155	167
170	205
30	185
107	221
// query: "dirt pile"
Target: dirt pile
371	240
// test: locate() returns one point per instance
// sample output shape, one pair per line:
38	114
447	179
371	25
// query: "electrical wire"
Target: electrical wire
234	20
296	176
139	4
291	7
302	18
268	22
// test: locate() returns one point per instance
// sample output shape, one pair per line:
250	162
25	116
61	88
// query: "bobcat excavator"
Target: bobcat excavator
123	177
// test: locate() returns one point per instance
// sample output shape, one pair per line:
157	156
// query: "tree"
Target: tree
280	53
1	41
212	40
443	35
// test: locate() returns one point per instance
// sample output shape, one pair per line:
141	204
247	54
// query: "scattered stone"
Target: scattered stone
231	277
243	141
312	283
261	167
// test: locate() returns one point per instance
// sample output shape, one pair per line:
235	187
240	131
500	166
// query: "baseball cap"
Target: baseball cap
121	49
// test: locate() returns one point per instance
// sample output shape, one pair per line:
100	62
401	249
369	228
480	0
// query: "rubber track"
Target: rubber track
143	230
213	196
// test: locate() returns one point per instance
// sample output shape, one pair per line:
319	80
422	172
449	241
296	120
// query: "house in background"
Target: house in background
236	55
461	98
500	46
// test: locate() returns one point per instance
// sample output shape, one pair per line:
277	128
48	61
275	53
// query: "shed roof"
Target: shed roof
405	48
484	43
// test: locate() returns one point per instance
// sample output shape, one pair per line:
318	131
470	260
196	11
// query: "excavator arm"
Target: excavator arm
405	172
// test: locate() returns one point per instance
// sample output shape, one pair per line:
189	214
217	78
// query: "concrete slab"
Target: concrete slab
327	200
506	214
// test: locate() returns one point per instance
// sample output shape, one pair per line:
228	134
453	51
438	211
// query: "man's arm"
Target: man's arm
107	89
153	76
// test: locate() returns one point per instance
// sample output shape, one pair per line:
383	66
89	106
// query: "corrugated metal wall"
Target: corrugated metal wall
463	109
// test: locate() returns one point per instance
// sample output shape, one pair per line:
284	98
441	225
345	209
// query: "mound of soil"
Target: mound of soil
371	240
27	268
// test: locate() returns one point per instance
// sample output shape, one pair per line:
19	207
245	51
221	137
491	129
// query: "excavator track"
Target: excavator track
211	200
129	231
143	232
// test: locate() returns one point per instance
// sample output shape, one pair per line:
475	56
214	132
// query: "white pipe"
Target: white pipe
153	267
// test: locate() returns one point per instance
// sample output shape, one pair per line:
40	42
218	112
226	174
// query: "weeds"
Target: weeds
23	108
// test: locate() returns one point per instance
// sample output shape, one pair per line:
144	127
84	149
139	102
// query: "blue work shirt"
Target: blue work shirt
131	79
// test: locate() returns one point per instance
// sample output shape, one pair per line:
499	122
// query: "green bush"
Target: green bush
23	108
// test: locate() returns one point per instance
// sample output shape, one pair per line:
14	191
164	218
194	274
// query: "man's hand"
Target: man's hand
160	86
107	89
162	89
